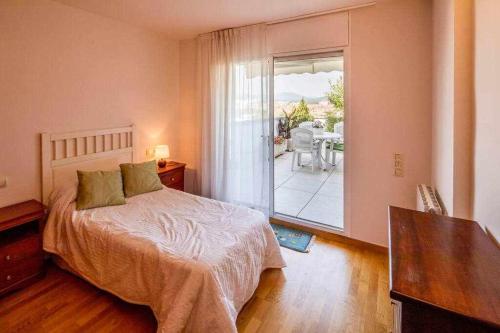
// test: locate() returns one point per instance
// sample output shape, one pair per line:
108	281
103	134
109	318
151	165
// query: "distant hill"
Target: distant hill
293	97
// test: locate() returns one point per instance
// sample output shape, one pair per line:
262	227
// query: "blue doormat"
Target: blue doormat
293	239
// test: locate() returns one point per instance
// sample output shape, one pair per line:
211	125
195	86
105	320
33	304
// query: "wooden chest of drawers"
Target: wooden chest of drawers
444	274
21	254
172	175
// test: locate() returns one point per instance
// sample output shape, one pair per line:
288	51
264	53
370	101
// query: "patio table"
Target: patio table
327	136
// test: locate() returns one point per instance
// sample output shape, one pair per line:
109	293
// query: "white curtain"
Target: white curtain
234	87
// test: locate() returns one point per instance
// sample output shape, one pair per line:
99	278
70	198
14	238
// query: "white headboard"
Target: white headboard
64	153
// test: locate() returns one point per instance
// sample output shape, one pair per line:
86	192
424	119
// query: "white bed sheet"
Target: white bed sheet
193	260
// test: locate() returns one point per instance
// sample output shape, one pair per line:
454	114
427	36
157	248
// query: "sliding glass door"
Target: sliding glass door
307	126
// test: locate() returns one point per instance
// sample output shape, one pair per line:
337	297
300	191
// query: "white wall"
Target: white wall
464	108
68	69
282	37
390	110
487	133
443	99
390	88
453	104
65	69
189	122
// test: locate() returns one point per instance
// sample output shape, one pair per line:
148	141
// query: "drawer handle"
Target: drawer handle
7	257
8	278
172	179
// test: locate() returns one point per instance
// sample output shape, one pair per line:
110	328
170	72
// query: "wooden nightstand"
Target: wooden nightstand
21	253
172	176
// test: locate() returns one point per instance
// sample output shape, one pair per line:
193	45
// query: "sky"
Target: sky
308	85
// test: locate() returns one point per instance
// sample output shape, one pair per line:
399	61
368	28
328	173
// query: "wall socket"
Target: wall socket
398	165
3	181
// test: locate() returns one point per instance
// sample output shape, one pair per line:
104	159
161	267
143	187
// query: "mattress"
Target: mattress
193	260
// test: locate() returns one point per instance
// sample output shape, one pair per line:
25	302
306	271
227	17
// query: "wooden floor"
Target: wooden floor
335	288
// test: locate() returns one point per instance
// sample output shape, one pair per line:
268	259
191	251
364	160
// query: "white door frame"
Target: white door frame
347	136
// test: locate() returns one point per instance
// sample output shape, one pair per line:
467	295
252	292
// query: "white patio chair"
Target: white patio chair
339	128
306	124
304	143
333	146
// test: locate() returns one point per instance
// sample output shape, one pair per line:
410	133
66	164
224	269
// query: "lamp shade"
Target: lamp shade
162	151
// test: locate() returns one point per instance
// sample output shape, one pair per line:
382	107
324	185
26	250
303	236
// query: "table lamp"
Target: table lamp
161	154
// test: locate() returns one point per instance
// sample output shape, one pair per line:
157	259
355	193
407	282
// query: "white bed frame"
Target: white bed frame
64	153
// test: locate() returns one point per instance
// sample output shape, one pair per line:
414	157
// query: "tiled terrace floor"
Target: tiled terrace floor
317	196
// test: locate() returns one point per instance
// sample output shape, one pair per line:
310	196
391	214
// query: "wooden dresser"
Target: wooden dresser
172	175
21	254
444	274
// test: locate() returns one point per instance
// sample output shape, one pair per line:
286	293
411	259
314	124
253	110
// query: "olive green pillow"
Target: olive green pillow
140	178
99	189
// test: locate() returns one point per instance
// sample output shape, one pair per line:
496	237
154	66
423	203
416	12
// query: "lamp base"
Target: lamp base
164	163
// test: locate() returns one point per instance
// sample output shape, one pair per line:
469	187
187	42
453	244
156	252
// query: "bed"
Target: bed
193	260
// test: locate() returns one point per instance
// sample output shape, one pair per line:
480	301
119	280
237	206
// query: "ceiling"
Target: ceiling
183	19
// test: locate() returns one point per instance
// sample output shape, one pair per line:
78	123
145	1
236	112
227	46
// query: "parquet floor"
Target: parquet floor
336	287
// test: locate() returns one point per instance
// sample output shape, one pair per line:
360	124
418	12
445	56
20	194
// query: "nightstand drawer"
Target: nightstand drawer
21	252
172	178
23	269
18	250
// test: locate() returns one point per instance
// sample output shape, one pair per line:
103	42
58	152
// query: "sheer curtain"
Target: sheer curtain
234	87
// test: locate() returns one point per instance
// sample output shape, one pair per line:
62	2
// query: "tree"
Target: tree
336	94
332	118
336	98
300	114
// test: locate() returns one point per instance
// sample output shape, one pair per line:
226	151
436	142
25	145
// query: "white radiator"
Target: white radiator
396	316
427	200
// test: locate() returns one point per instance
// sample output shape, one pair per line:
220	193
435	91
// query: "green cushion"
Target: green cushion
99	189
140	178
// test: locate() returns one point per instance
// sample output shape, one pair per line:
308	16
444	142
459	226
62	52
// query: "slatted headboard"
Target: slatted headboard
64	153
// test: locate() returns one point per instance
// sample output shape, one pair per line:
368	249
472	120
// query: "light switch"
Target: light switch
3	181
398	165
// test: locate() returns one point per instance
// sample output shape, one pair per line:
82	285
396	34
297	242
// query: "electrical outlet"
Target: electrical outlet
3	181
398	165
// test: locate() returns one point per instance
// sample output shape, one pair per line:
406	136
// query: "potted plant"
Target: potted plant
317	127
279	145
297	115
287	123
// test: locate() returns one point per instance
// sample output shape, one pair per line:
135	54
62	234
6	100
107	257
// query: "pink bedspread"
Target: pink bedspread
193	260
